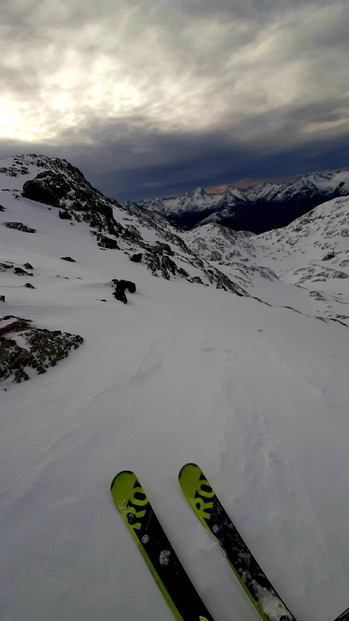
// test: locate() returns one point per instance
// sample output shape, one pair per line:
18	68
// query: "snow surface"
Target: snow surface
255	392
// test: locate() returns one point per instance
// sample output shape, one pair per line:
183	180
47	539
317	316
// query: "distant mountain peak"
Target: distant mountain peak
258	208
198	192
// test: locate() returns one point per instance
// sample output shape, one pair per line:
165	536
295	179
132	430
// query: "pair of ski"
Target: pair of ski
165	565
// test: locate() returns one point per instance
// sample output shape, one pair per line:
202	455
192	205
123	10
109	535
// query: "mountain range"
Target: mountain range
127	343
258	208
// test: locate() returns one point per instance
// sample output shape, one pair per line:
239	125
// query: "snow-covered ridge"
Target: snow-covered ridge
311	252
56	183
257	208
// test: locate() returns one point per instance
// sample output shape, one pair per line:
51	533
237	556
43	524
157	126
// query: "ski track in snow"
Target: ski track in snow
144	421
257	394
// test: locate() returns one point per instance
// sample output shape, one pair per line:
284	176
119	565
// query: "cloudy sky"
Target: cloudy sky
154	97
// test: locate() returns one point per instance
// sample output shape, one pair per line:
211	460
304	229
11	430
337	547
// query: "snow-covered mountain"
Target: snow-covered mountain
258	208
232	352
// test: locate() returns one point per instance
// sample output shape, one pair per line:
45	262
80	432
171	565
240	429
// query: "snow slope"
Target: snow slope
254	388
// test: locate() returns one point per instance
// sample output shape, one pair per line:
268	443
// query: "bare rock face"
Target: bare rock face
25	349
107	242
48	187
19	226
65	187
158	260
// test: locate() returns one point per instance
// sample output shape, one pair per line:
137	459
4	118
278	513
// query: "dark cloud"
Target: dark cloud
142	163
157	97
154	164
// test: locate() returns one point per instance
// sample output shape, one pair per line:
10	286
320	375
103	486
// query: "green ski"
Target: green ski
156	549
211	513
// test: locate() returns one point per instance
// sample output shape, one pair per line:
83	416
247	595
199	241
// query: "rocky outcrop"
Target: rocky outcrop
17	269
64	186
48	187
121	286
25	349
19	226
107	242
136	258
158	260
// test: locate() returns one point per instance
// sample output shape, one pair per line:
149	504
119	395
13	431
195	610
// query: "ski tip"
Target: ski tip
186	466
120	474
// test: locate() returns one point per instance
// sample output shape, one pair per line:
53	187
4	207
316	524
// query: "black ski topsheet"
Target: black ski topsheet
156	549
211	513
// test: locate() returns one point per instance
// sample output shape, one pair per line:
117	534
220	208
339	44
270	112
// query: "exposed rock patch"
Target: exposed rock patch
158	260
65	187
19	226
21	272
47	187
136	258
107	242
121	286
17	269
7	265
25	349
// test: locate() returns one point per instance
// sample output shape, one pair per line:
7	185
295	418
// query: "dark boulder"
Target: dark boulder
48	187
21	272
136	258
64	215
121	286
120	295
107	242
127	285
124	285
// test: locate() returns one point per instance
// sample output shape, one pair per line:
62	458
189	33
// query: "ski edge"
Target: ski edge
344	616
